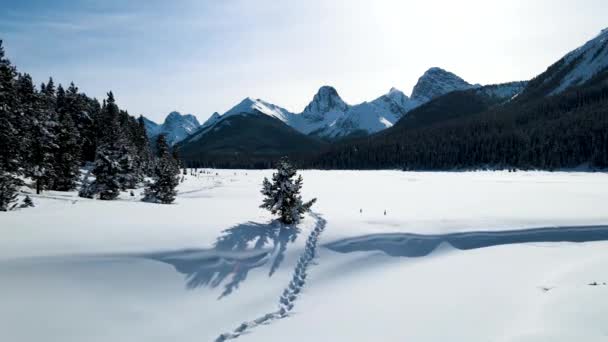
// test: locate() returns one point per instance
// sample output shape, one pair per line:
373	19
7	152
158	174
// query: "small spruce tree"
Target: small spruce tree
107	170
165	178
282	195
8	191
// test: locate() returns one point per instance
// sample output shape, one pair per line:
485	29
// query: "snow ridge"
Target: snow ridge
291	292
590	59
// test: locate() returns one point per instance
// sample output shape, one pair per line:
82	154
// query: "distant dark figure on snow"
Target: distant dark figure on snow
282	195
384	212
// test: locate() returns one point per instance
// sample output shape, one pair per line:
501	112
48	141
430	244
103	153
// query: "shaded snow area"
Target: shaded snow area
476	256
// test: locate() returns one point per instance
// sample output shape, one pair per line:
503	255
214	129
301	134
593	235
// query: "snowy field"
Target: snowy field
478	256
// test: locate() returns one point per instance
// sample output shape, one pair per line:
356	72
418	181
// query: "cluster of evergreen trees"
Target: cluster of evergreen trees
563	131
48	133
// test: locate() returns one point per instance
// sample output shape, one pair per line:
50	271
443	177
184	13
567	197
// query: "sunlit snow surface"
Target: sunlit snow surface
453	259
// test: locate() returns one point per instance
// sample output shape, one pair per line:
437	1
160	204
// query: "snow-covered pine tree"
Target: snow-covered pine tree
162	189
162	148
43	126
11	125
107	169
8	190
282	195
67	157
143	147
83	110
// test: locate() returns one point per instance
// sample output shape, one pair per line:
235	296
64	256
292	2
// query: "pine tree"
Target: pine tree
162	148
143	146
166	176
83	111
282	195
10	121
107	169
8	190
11	134
43	127
67	158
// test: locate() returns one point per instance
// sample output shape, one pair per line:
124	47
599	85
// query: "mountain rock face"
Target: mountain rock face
436	82
176	127
586	63
329	116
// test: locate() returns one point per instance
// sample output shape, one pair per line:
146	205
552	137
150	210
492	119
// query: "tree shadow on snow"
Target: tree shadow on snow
237	251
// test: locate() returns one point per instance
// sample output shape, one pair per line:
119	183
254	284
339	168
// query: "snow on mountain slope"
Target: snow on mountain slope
252	106
322	112
585	62
385	111
370	117
176	127
329	116
436	82
504	90
152	127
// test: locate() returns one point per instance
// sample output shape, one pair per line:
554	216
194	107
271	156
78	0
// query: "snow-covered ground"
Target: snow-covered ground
453	259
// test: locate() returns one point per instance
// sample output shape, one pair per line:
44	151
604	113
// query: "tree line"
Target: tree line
48	133
556	132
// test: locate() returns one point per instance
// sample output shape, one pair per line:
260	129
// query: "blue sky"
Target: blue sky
204	56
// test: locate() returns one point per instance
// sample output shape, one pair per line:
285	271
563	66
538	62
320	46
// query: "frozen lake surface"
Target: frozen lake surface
475	256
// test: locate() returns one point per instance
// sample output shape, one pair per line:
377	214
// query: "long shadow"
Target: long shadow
239	250
419	245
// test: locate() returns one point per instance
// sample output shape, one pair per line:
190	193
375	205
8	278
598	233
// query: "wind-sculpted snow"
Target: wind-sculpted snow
291	292
418	245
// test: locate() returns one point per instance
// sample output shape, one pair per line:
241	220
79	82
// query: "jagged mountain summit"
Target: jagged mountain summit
176	127
436	82
329	116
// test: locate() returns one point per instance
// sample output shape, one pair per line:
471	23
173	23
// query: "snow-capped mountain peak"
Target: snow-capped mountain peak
176	127
436	82
325	100
255	106
399	98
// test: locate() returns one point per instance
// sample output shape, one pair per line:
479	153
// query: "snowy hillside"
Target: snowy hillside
505	90
176	127
584	63
453	259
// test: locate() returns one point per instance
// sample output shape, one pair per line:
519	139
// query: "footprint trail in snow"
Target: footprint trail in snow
291	292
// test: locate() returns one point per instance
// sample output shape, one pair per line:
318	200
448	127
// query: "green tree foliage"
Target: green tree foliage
162	188
282	195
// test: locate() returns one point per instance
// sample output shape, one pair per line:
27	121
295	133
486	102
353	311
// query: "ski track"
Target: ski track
291	292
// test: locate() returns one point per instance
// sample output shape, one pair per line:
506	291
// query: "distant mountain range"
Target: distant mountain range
176	127
327	115
557	120
255	131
